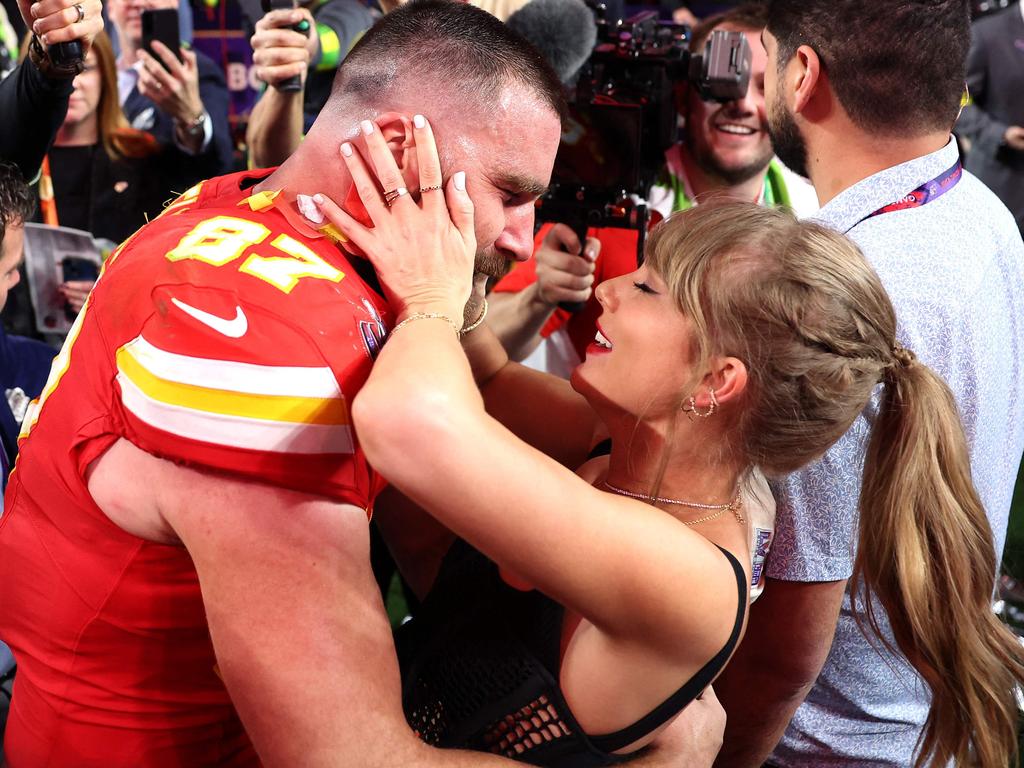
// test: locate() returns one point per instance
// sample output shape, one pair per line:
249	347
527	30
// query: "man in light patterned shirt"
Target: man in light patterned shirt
861	98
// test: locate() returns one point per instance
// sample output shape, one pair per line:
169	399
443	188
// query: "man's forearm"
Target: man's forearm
275	127
517	319
788	638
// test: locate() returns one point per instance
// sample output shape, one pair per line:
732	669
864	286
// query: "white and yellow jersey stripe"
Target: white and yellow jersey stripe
280	409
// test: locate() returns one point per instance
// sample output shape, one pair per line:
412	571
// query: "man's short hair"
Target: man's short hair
17	204
897	67
747	17
473	54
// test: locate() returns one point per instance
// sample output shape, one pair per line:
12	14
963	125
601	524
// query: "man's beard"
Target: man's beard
733	175
789	144
491	263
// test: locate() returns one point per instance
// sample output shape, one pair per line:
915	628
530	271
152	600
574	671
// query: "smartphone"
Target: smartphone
292	84
162	25
76	268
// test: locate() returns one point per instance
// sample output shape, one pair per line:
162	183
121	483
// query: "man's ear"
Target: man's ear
397	131
808	78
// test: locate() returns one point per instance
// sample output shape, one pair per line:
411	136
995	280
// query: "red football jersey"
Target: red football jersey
226	334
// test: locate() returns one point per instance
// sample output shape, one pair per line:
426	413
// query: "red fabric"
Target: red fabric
617	257
115	664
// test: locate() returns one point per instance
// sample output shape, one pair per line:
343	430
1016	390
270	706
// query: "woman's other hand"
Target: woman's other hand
423	250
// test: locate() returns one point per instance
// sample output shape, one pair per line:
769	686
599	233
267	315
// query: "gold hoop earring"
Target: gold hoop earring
692	409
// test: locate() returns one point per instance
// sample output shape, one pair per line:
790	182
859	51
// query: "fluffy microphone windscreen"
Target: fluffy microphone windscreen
563	31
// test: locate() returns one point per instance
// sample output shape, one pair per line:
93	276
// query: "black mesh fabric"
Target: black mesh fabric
478	666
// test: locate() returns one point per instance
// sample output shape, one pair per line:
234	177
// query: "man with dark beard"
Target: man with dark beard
726	152
861	98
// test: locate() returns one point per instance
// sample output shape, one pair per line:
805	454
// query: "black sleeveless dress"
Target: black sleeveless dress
480	669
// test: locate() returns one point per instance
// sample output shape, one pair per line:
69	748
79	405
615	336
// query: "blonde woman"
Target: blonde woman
747	338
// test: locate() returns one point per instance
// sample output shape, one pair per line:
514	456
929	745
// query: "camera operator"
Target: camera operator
308	42
34	97
725	151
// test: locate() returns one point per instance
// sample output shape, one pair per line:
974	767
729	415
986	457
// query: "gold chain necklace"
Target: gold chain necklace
720	509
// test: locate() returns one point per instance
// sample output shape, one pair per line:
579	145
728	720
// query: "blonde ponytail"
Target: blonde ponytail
926	553
800	305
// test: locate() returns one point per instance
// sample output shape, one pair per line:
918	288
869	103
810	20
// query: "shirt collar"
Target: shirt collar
853	205
127	79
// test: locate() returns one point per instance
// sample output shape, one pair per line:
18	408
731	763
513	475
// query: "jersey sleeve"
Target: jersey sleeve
212	381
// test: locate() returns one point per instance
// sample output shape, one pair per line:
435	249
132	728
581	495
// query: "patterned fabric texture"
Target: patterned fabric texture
954	269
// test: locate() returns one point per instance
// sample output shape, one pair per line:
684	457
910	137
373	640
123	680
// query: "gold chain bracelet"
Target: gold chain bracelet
426	316
438	316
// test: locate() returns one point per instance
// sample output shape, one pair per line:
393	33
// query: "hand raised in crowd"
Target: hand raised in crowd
57	21
280	52
423	251
1014	137
76	292
563	273
174	88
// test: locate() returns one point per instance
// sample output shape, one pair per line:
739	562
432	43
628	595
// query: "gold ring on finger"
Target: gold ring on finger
390	197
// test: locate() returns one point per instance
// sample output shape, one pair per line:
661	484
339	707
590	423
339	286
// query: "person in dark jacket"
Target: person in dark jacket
34	97
994	120
107	177
182	103
24	363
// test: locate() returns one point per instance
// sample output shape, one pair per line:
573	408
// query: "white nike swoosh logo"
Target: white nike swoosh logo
234	329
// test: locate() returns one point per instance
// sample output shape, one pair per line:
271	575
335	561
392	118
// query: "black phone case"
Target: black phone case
74	268
162	25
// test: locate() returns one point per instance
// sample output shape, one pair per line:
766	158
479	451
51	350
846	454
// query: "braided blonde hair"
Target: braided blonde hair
802	308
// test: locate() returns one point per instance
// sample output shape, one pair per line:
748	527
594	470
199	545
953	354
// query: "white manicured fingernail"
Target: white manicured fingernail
460	181
346	149
309	207
367	127
418	121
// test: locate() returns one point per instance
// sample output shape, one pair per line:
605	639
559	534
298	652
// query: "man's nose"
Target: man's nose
516	239
742	107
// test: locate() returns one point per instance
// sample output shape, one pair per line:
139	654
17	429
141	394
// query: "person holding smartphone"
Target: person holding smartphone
178	95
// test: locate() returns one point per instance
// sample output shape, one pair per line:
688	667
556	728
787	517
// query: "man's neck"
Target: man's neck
704	184
844	160
129	55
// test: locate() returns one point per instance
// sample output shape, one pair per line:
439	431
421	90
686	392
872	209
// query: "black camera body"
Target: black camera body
623	117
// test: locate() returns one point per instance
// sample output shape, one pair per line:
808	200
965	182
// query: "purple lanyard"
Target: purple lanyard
926	193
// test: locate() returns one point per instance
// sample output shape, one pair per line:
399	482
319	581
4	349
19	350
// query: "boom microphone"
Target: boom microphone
563	31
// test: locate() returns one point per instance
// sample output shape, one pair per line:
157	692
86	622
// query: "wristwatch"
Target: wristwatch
196	126
42	61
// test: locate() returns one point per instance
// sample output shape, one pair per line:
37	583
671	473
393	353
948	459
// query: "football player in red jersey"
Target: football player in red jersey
183	555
